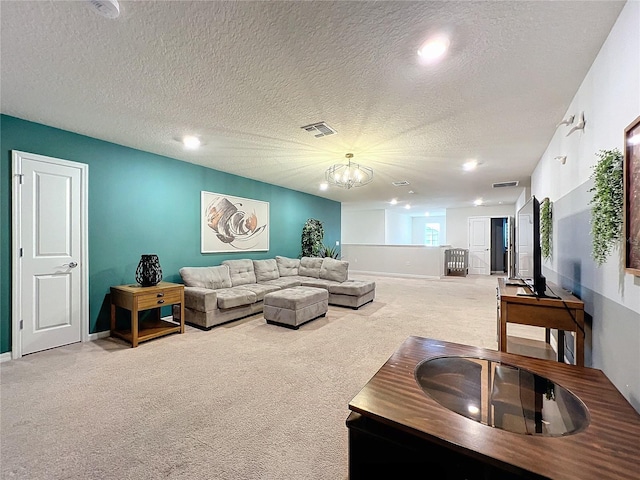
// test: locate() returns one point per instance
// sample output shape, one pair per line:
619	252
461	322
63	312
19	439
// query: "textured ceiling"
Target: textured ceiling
245	76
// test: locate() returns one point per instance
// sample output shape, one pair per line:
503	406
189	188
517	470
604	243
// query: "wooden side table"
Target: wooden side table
565	313
136	299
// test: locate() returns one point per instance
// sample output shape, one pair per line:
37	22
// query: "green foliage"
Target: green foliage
332	252
607	204
312	235
545	227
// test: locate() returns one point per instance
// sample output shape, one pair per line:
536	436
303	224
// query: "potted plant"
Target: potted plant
328	251
607	203
312	235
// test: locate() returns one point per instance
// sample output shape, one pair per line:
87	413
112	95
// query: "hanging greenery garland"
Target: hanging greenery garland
545	228
607	204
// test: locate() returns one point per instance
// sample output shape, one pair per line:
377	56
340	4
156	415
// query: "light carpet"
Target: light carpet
245	400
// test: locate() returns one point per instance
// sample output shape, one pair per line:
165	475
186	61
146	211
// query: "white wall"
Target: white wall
397	228
363	226
458	221
610	99
399	260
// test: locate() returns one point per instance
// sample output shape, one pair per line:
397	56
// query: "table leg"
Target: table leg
134	328
579	338
182	316
561	346
113	317
502	340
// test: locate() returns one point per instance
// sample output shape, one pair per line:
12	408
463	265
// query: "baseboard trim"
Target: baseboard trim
99	335
5	357
394	275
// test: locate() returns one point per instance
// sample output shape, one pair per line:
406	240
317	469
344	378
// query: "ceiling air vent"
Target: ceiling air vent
319	129
513	183
401	183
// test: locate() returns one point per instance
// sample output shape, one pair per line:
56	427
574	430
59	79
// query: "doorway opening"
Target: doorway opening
499	245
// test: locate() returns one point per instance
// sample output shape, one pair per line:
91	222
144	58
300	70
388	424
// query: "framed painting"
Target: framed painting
233	224
632	197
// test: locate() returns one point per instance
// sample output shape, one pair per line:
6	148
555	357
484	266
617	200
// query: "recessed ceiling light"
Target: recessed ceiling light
407	206
426	214
434	49
477	202
470	165
393	201
191	142
324	186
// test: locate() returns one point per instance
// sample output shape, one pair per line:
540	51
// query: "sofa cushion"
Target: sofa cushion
318	282
310	267
260	289
241	271
284	282
287	266
336	270
355	288
265	270
206	277
235	297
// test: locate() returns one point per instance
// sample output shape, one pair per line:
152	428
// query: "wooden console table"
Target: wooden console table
564	314
136	299
396	429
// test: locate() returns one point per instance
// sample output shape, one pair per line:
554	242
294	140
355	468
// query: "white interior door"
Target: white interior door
50	253
480	245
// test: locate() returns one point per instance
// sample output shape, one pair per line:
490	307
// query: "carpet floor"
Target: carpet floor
245	400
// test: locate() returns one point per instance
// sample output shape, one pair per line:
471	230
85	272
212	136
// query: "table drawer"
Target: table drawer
158	299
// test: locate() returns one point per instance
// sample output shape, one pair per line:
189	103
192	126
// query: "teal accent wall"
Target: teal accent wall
143	203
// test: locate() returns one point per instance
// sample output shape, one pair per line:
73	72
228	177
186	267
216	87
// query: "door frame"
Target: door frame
490	246
16	242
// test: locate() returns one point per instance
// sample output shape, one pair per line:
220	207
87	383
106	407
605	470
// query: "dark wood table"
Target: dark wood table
395	428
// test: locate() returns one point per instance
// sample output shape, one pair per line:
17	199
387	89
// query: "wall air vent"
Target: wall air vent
513	183
401	183
319	129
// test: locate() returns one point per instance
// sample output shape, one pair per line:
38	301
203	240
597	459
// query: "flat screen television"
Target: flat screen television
528	249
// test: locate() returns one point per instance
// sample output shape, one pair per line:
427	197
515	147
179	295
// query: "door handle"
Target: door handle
70	265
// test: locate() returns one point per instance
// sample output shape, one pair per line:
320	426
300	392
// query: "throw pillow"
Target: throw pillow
241	271
310	267
206	277
266	270
336	270
287	266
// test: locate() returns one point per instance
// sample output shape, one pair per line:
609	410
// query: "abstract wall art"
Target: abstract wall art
233	224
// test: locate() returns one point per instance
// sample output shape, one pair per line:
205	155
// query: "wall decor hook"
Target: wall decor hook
567	121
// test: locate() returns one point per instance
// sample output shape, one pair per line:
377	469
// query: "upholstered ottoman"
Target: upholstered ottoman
352	293
294	306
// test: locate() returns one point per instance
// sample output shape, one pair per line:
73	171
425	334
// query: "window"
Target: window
432	234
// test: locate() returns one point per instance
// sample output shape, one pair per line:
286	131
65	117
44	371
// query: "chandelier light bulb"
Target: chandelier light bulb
348	175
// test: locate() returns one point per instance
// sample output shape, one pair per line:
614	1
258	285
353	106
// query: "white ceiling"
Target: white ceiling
245	76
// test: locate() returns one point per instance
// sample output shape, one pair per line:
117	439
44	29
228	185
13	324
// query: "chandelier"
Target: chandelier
350	174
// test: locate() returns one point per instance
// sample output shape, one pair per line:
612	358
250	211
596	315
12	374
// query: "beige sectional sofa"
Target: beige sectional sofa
236	288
